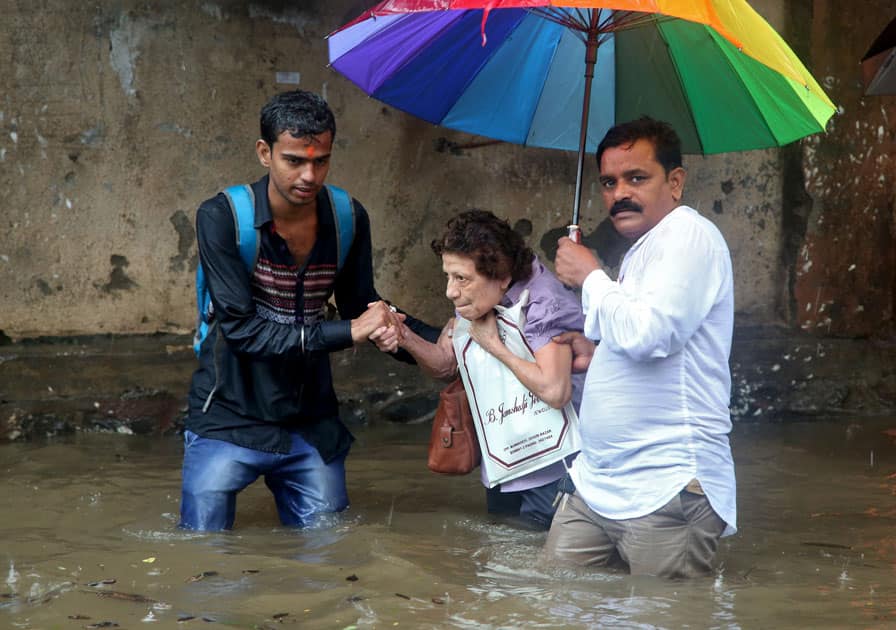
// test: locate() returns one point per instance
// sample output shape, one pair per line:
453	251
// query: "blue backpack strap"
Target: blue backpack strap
203	301
242	205
344	216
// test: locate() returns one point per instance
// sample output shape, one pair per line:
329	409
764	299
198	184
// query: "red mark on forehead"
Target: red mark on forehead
311	150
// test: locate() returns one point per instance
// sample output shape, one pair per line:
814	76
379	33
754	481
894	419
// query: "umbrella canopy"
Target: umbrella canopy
879	63
521	70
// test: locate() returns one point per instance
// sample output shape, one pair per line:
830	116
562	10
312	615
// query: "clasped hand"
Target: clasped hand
484	332
388	338
379	315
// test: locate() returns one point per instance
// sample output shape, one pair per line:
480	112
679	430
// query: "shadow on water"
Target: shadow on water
89	538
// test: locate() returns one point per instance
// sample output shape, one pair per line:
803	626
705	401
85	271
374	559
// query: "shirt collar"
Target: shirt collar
513	293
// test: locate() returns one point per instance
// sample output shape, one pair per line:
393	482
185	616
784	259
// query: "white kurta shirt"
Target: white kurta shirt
654	414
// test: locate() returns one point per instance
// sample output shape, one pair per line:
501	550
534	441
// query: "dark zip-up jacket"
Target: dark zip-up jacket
264	367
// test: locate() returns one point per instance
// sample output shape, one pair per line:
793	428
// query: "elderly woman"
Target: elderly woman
486	264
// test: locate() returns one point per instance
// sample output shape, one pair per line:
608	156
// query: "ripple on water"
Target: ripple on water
166	535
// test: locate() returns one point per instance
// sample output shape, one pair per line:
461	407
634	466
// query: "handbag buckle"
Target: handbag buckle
447	435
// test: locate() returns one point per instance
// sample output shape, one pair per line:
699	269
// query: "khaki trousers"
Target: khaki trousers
678	540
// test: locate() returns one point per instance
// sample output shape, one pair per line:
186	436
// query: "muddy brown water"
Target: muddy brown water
88	537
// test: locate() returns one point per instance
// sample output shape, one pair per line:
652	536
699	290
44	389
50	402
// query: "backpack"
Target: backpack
242	204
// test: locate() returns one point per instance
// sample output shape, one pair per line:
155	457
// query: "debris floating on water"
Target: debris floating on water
825	544
130	597
102	582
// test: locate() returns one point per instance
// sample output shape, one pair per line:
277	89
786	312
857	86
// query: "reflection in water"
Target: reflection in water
89	535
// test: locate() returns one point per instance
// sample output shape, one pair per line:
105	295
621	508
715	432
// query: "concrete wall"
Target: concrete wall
845	273
118	118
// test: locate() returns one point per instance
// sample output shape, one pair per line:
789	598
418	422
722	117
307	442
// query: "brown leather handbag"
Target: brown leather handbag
453	446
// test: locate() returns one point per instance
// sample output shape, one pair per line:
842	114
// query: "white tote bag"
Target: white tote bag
518	433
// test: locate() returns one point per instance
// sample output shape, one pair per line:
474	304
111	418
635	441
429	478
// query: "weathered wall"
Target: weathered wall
118	118
845	274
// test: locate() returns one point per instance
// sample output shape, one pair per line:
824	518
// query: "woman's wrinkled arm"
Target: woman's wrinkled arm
549	377
435	359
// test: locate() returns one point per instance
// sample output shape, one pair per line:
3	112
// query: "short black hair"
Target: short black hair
299	112
497	251
666	143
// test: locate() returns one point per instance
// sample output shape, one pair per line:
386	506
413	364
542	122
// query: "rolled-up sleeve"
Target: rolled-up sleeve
549	315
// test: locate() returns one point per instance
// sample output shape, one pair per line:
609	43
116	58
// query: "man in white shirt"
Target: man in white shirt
654	482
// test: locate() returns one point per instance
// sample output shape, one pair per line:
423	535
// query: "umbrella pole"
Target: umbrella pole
590	60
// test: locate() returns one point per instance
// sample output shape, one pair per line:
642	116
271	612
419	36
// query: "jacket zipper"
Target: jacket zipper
217	364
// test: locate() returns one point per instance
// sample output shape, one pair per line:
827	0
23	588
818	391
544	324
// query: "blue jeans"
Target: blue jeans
214	472
535	506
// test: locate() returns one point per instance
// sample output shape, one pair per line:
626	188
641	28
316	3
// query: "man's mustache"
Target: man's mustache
625	205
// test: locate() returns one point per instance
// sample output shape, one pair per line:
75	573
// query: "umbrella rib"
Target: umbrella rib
561	17
622	20
581	21
584	18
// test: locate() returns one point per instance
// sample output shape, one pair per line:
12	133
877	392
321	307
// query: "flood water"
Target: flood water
89	537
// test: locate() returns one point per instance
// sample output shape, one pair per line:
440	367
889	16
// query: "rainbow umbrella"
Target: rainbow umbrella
559	74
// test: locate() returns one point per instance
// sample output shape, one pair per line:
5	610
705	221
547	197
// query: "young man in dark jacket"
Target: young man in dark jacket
262	400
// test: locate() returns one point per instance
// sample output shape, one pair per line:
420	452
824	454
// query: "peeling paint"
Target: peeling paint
93	136
169	127
124	50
